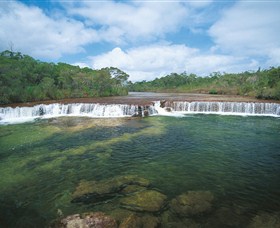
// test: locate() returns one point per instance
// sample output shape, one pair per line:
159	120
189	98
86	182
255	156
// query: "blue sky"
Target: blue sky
146	39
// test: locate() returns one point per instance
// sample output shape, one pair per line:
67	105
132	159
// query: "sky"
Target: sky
146	38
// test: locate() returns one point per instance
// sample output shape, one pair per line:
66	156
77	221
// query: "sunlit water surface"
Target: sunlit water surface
41	163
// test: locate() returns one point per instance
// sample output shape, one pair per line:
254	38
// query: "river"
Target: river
232	158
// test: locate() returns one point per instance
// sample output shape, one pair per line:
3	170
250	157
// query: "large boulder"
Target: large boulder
149	201
97	191
89	220
192	203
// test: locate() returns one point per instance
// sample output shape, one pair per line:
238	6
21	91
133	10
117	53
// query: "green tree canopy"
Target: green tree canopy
23	78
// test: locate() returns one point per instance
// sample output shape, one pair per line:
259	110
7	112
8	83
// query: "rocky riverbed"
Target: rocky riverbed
134	202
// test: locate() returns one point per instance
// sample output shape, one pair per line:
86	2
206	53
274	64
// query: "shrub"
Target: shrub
213	91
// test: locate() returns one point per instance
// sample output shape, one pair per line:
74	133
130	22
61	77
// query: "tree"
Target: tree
23	78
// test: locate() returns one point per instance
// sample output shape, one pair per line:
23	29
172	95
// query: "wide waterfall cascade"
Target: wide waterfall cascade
23	114
169	108
226	108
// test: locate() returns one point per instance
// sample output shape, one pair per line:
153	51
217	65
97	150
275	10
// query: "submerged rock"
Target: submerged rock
135	221
170	220
149	201
94	192
132	221
227	217
265	220
149	221
182	224
132	189
120	214
87	220
192	203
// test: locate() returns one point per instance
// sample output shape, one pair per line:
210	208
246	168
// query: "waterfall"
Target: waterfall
171	108
23	114
229	108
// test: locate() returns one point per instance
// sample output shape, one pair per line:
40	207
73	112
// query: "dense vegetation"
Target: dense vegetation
23	78
264	84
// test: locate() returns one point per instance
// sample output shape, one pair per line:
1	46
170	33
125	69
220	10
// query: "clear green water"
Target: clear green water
41	163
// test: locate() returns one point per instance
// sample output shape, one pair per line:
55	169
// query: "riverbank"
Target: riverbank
147	98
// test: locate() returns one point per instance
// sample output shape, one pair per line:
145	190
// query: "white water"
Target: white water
10	115
225	108
164	111
24	114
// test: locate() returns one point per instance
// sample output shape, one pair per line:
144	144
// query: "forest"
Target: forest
24	79
262	84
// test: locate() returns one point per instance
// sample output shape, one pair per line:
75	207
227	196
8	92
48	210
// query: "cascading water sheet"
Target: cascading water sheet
24	114
175	108
225	108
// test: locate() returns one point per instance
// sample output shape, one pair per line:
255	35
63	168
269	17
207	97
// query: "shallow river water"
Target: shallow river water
236	158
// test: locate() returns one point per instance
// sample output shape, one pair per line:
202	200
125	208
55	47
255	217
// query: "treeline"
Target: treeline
23	79
263	84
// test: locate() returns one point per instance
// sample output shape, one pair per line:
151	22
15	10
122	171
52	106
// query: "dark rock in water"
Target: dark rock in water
162	103
266	220
41	111
87	220
168	109
134	221
94	192
146	113
192	203
149	201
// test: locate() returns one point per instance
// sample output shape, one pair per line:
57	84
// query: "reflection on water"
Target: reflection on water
209	171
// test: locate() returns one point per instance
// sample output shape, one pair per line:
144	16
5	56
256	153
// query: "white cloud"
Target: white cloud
148	62
250	28
122	22
33	32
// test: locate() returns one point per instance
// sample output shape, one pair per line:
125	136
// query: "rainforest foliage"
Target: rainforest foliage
23	79
263	84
